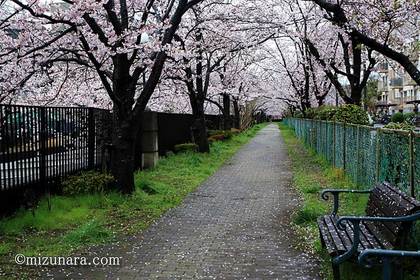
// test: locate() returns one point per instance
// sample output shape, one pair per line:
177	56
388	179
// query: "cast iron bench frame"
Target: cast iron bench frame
363	242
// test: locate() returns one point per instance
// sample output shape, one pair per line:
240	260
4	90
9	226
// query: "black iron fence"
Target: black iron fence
39	144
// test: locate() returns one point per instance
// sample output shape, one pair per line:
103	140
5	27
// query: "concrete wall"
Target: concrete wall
162	131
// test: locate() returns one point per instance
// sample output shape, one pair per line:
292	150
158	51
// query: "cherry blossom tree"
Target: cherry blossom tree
345	61
211	40
122	44
303	80
384	26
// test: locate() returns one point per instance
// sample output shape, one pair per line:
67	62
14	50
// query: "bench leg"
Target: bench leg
336	271
386	269
390	271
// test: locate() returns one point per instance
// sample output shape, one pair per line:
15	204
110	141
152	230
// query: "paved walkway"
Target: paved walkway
235	226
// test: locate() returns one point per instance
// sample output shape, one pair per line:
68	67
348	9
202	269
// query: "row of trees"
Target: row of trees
129	54
192	55
336	46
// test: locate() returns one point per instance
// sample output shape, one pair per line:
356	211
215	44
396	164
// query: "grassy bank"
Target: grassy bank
76	222
311	174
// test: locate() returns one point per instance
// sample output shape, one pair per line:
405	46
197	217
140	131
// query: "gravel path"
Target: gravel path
235	226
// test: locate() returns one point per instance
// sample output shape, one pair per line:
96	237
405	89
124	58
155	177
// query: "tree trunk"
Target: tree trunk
305	105
237	117
356	95
123	154
320	102
227	120
199	128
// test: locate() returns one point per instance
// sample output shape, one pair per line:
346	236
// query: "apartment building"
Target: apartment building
397	92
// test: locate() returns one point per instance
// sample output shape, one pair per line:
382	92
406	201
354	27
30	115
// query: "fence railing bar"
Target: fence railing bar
411	164
91	140
16	147
42	153
24	144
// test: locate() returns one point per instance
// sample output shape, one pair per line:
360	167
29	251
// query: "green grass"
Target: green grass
311	174
79	221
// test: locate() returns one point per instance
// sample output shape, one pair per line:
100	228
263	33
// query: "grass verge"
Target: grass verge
79	221
311	174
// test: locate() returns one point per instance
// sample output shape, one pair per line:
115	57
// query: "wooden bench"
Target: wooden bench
381	236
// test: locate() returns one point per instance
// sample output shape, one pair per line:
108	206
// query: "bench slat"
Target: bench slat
374	243
330	236
347	240
326	237
415	204
389	229
337	241
387	201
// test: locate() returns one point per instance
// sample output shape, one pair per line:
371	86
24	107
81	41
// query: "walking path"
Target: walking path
235	226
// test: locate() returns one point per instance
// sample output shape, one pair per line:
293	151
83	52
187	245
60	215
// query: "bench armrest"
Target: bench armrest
381	253
325	195
355	219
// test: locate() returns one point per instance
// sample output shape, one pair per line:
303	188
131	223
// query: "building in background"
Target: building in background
397	92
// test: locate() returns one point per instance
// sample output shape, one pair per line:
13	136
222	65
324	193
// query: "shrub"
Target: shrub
235	131
397	118
400	126
325	113
87	182
311	113
351	114
217	137
228	134
212	132
186	147
345	113
410	118
298	114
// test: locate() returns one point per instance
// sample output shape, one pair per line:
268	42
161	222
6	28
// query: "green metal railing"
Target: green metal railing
366	154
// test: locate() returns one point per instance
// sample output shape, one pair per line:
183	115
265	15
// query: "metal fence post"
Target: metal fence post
326	141
358	155
91	138
313	135
42	145
344	146
378	153
333	151
412	163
